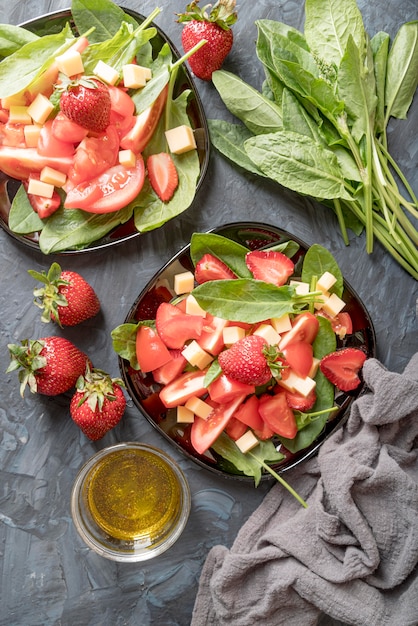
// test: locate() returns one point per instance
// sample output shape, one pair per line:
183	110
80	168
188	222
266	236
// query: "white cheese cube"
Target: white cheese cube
39	188
320	300
301	288
135	76
232	334
193	307
296	383
314	367
19	115
32	132
180	139
40	109
247	441
70	63
281	324
184	415
196	356
183	283
199	407
326	281
127	158
333	305
53	177
106	73
269	333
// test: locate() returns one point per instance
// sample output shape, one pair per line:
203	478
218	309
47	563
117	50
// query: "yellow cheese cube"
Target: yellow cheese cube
296	383
199	407
40	109
301	288
281	324
180	139
247	442
135	76
326	281
314	368
184	415
268	332
183	282
333	305
39	188
320	300
232	334
19	115
53	177
193	307
32	132
127	158
70	63
17	99
106	72
196	356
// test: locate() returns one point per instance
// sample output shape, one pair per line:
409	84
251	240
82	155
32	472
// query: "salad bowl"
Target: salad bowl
144	391
53	22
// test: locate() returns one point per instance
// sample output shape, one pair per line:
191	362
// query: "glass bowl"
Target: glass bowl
130	502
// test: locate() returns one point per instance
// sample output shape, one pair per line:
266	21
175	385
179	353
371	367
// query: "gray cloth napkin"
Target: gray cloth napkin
353	553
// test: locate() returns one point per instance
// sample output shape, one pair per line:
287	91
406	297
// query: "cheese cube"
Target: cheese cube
180	139
301	288
106	72
32	132
184	415
19	115
268	333
53	177
314	367
70	63
135	76
333	305
296	383
326	281
281	324
40	109
199	407
196	356
320	300
193	307
232	334
183	283
247	442
39	188
17	99
127	158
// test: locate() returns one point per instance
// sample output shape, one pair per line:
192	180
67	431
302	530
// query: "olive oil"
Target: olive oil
133	495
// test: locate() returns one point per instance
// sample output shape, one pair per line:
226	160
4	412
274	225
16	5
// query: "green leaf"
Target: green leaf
296	118
104	16
12	38
258	113
229	139
124	343
228	251
160	70
402	71
299	163
380	48
22	218
319	260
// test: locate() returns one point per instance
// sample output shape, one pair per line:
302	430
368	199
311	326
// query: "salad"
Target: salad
245	356
94	121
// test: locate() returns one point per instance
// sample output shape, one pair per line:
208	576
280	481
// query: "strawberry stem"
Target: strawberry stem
281	481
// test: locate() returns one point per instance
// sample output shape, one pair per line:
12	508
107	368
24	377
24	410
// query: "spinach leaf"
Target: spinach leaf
229	139
296	118
402	71
228	251
22	218
380	48
104	16
124	343
319	260
12	38
160	69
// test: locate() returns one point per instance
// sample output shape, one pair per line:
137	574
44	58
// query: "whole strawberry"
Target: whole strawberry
247	361
49	366
86	102
215	28
98	404
65	298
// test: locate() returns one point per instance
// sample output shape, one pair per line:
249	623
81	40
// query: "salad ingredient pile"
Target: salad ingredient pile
242	363
319	125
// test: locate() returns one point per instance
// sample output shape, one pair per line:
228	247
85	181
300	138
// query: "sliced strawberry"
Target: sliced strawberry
162	174
211	268
175	327
270	265
342	367
297	402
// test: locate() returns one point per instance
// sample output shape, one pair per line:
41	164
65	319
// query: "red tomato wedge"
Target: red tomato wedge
184	387
204	432
144	125
118	186
43	206
278	415
150	350
94	156
176	327
305	327
224	389
235	429
299	355
248	413
20	163
171	370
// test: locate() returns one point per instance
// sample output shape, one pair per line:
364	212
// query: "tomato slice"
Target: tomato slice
224	389
176	327
150	350
171	370
299	355
118	186
43	206
211	339
235	429
50	146
204	432
248	414
94	156
278	415
184	387
305	327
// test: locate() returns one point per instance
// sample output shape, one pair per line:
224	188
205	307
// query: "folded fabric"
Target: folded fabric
353	553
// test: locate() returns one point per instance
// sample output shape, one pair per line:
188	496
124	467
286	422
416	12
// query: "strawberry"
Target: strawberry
271	266
162	175
214	28
66	297
98	403
342	367
86	102
211	268
246	362
49	366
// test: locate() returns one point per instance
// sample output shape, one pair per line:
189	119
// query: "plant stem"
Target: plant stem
281	481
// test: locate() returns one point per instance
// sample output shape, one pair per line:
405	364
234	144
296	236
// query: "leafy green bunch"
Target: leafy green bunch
319	125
